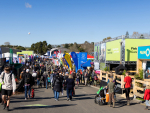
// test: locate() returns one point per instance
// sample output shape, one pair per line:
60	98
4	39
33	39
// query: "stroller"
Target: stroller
100	98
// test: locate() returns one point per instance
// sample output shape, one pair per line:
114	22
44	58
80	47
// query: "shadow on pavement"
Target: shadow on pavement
38	107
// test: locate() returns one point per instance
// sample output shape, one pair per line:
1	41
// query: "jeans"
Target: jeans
26	88
38	82
69	93
56	95
147	103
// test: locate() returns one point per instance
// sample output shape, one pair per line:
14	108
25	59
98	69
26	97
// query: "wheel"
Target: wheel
100	103
95	100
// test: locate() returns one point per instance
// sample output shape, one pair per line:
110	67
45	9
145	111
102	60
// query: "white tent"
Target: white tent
7	55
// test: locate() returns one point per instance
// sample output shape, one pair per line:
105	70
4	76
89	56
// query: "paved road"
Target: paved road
83	102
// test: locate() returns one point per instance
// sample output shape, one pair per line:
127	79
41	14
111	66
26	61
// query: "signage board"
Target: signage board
113	50
131	46
144	52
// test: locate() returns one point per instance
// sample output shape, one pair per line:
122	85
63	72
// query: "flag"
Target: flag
11	57
75	59
68	59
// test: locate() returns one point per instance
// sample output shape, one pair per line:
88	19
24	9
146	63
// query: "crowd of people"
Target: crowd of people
42	73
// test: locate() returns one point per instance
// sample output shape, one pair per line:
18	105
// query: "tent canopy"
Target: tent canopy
86	64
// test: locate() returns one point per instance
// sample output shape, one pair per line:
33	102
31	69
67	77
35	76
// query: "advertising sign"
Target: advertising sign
144	52
96	51
131	48
113	50
102	55
26	52
82	59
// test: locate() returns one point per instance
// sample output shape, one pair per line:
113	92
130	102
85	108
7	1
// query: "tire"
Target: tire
100	103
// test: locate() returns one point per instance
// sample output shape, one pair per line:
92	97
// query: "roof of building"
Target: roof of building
6	50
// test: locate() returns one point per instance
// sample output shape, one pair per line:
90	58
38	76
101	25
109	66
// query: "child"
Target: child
147	97
48	80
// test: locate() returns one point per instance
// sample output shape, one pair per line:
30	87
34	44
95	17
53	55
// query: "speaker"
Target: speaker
2	61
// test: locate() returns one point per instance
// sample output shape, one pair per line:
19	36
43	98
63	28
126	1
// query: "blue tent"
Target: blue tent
86	64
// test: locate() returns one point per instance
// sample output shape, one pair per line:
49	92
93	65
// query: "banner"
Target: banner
96	51
102	56
68	59
65	62
0	53
82	58
75	59
11	57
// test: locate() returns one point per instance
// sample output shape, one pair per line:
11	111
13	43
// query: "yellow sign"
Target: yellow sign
68	59
26	52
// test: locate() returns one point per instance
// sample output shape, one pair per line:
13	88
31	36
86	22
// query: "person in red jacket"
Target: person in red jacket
147	97
127	85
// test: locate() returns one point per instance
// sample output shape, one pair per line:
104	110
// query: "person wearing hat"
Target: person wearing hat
147	96
28	82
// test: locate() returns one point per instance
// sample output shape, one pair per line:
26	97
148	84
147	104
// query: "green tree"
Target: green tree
66	46
49	46
142	36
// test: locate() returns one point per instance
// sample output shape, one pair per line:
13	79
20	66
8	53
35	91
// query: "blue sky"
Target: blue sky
69	21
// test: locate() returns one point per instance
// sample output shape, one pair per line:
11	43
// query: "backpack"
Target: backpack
27	78
95	78
4	76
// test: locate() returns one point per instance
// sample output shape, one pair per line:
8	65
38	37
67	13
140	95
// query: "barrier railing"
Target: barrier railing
136	88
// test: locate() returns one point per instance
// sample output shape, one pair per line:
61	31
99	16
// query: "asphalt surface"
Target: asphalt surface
83	102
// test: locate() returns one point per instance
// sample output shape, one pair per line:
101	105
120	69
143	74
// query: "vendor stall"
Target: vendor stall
143	61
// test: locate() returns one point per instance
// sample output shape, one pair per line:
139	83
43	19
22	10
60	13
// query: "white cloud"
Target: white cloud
28	5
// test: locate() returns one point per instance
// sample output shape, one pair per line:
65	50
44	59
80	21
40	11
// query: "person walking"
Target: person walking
78	78
86	77
147	96
38	78
57	86
7	80
28	82
45	79
110	87
93	74
127	84
70	86
95	79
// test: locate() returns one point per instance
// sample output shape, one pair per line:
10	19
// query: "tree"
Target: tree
104	39
66	46
7	43
108	38
142	36
21	48
49	46
40	47
71	44
92	43
127	35
81	49
135	35
58	46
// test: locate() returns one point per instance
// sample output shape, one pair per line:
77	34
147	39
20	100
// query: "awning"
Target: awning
86	64
90	57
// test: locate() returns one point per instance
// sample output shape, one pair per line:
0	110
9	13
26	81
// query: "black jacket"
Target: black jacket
57	83
25	77
70	83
